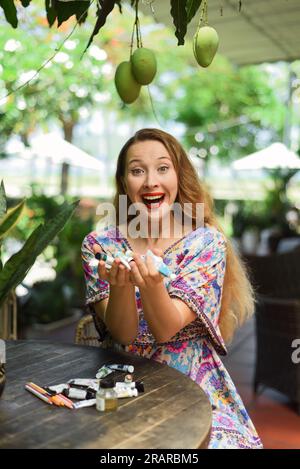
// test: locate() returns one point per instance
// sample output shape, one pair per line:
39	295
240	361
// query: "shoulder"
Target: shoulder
207	236
99	236
105	236
215	236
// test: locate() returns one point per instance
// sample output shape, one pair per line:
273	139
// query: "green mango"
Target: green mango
205	45
143	64
126	85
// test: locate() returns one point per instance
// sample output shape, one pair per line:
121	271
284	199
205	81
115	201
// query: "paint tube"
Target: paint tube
87	403
103	372
73	393
160	265
123	385
123	259
138	385
122	393
158	262
102	256
121	367
88	383
58	388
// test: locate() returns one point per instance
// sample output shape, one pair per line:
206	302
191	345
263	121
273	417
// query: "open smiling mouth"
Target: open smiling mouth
153	202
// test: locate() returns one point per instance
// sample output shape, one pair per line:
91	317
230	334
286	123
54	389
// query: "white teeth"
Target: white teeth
152	197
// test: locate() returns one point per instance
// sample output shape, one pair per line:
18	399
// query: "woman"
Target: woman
181	322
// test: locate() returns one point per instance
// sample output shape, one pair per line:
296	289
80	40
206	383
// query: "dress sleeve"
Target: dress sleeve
199	283
96	289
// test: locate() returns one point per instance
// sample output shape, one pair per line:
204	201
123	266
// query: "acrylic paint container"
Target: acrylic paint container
106	397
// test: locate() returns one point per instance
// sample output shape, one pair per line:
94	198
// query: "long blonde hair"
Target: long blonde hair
237	303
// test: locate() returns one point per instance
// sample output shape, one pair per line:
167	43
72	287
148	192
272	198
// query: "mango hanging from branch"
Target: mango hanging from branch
126	85
205	45
143	65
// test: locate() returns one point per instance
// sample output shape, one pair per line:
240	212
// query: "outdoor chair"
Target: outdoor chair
8	318
86	333
277	326
90	330
276	280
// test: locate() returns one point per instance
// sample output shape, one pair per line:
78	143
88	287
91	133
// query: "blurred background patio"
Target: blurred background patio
60	136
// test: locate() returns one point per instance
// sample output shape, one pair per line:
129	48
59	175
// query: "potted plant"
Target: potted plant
18	265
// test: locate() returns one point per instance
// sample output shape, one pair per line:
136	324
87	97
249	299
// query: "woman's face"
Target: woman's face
150	177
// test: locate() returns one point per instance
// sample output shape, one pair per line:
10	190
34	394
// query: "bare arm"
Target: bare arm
119	311
121	316
165	316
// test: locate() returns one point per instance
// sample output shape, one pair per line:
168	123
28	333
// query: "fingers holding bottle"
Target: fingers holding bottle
114	272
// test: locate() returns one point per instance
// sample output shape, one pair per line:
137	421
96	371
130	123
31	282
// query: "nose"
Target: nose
150	180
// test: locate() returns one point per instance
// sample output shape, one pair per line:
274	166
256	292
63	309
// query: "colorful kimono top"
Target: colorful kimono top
198	260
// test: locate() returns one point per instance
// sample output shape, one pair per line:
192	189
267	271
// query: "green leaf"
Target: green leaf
118	2
102	13
82	13
3	206
51	12
64	10
19	264
11	218
179	15
10	12
192	6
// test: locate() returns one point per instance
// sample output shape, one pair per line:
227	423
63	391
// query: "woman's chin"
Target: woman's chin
157	213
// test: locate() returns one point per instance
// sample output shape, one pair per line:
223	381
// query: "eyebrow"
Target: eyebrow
138	160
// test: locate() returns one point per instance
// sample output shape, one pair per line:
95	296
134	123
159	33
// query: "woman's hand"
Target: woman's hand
144	273
118	275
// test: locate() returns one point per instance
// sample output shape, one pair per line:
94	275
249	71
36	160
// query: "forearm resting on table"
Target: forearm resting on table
121	316
165	316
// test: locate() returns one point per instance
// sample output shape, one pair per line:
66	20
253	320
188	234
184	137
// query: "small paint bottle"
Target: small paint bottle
106	397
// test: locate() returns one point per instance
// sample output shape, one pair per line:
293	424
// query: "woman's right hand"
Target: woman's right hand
118	275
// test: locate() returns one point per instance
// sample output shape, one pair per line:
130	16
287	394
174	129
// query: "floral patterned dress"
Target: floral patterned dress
198	260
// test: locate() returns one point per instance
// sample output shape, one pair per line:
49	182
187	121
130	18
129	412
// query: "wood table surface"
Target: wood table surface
173	412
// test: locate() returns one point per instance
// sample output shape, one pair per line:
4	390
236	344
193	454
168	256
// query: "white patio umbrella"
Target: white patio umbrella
56	150
275	156
60	151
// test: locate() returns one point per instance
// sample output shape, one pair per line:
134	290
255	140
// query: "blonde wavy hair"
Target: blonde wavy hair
237	303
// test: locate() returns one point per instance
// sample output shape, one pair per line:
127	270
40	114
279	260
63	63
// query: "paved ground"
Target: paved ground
274	417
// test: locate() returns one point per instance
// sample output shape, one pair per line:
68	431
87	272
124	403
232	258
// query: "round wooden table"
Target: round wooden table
173	412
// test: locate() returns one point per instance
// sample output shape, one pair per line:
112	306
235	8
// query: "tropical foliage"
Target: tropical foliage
17	266
181	11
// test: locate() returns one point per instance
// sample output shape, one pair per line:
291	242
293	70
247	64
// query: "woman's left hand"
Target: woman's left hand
144	273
